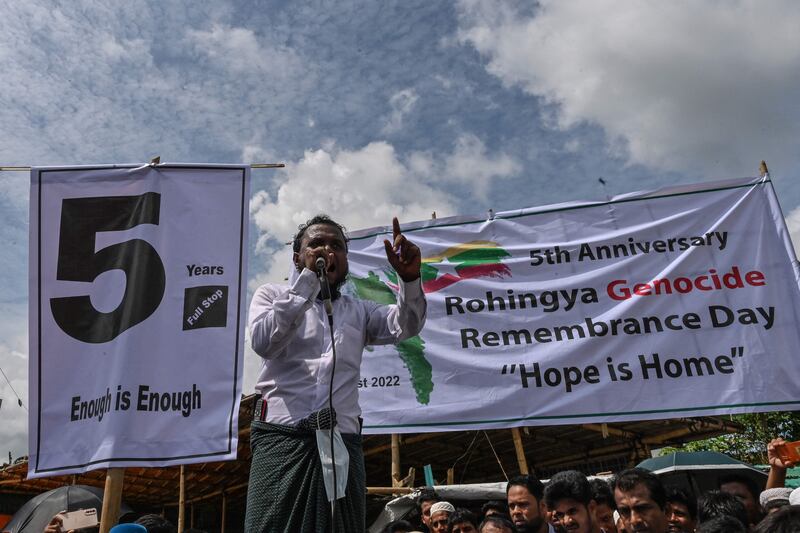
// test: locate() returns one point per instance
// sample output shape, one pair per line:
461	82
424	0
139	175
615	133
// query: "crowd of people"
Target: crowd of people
632	501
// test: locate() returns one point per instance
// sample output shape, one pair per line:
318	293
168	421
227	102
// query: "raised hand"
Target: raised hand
773	457
403	255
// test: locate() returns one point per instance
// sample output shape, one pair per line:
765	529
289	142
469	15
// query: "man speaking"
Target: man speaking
308	333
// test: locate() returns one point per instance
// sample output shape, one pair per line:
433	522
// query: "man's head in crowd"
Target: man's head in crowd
426	498
722	524
398	526
773	499
784	520
440	515
322	237
568	496
494	507
496	524
716	503
155	523
747	491
604	506
462	521
641	501
525	505
681	512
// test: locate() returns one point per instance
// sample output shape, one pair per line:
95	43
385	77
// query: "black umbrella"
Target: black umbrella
698	472
34	516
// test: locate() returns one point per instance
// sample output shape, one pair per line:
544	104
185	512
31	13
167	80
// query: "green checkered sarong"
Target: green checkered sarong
286	491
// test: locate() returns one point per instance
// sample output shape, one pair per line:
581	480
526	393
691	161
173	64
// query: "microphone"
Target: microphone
325	289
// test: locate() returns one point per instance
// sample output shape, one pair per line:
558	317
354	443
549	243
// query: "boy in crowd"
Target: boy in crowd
604	506
681	512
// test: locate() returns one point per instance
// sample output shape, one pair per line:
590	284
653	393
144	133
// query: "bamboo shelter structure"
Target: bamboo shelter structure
214	493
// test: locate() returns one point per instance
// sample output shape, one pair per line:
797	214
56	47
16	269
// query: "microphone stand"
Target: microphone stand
325	293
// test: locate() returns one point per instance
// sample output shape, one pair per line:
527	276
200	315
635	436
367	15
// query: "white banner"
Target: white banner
673	303
137	314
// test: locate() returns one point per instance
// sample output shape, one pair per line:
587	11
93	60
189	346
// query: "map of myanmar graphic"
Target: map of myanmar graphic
471	260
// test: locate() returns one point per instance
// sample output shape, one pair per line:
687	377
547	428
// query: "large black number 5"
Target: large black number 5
81	220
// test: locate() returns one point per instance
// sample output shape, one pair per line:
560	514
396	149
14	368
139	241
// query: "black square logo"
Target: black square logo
205	307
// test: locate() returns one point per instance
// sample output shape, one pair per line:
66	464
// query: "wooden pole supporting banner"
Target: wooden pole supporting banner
523	462
451	476
395	460
153	161
762	168
224	511
112	499
182	500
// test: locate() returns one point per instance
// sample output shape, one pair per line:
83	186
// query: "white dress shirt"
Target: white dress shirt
289	330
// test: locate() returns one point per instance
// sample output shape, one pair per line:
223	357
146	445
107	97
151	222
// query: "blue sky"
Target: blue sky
391	108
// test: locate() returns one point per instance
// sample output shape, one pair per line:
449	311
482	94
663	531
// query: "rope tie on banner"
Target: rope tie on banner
19	400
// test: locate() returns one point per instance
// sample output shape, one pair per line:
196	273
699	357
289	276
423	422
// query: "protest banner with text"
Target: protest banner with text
137	299
671	303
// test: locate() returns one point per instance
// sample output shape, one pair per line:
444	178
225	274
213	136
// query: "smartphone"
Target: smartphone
789	451
79	519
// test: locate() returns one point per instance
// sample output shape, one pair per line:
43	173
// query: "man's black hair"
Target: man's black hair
398	526
497	521
494	505
675	495
427	495
318	219
601	493
459	516
751	485
722	524
155	523
786	520
716	503
569	484
626	480
530	482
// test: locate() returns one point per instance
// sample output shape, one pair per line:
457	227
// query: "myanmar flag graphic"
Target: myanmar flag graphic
476	259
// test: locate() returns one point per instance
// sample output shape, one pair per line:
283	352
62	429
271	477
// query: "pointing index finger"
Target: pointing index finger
395	228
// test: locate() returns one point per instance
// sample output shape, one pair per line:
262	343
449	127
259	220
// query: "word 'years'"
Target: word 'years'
204	270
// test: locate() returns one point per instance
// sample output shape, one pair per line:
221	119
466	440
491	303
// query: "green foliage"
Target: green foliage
750	445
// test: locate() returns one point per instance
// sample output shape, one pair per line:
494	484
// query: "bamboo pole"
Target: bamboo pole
112	499
224	511
523	462
390	490
395	460
154	161
182	500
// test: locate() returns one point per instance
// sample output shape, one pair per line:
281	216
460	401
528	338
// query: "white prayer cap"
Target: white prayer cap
442	506
794	497
776	494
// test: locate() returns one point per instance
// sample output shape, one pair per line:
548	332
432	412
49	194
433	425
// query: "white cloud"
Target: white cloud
698	86
240	51
360	188
367	187
402	103
470	164
793	224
